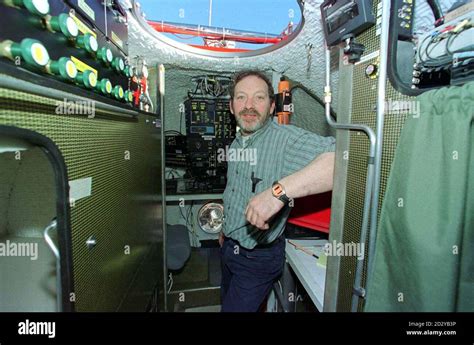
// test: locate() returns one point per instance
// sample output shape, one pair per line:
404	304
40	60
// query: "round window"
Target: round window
222	27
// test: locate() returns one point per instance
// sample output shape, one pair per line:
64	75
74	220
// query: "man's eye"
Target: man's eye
240	97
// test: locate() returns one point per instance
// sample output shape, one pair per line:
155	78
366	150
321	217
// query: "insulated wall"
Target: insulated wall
117	156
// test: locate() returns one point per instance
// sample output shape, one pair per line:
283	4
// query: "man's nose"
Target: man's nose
249	103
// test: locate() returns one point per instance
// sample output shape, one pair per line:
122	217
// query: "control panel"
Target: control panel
341	18
209	118
210	127
107	16
405	12
69	41
201	150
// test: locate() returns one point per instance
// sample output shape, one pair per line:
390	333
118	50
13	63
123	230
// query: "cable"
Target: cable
183	38
450	41
436	8
170	281
434	61
173	131
419	53
439	22
182	215
451	32
190	213
210	86
192	222
313	96
427	53
186	220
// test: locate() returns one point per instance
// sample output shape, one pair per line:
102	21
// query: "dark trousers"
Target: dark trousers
248	275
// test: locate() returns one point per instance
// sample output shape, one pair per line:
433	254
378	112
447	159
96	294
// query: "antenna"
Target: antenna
210	12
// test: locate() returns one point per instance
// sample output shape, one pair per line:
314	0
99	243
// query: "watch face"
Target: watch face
277	190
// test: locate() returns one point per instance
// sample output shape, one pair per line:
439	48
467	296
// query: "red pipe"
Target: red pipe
220	49
195	30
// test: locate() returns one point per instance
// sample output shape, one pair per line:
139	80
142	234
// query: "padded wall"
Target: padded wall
122	156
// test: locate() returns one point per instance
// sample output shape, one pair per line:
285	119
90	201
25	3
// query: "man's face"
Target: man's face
251	104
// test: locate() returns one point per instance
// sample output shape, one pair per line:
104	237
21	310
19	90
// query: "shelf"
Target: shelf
311	275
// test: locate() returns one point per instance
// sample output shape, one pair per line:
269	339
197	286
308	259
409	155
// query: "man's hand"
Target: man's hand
261	208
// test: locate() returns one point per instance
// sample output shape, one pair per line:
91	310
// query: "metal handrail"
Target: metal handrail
53	226
357	291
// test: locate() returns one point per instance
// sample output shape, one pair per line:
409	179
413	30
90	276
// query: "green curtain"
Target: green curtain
424	256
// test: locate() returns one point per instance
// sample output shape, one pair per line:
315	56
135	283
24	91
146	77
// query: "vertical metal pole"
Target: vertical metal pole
47	237
161	86
382	81
210	12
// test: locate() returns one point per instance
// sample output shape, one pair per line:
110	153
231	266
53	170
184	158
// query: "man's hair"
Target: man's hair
251	72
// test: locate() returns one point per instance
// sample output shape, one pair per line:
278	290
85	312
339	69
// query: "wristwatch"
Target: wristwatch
279	192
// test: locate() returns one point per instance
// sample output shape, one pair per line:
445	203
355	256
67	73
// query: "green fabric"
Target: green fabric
425	241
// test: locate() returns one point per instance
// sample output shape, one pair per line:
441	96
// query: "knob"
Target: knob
371	71
91	242
118	64
129	96
33	52
118	92
63	23
64	67
105	55
129	71
104	86
88	42
36	7
88	78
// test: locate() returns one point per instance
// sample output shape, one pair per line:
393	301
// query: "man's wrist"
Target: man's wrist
279	192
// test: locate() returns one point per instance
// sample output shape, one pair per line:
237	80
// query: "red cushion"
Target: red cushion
312	212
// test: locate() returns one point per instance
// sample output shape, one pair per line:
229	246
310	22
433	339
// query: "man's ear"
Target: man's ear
231	107
272	107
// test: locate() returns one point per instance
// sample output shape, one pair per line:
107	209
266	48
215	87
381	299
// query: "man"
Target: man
290	163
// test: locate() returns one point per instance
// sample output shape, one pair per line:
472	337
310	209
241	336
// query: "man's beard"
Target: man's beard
249	128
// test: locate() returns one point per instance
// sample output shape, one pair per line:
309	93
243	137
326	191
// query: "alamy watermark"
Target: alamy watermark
27	249
345	249
237	155
37	328
402	107
66	107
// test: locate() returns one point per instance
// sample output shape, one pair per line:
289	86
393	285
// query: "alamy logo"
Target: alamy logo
19	249
345	249
37	328
403	107
237	155
76	108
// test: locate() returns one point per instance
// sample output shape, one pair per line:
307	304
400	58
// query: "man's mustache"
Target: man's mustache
250	111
